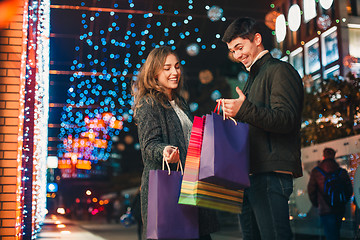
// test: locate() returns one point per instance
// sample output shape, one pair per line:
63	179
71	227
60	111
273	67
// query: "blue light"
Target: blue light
187	33
112	13
198	39
173	48
213	46
85	26
132	25
183	62
159	7
203	46
158	24
96	47
162	11
130	16
190	7
102	31
190	17
176	12
186	21
132	5
151	36
174	24
83	15
196	30
148	26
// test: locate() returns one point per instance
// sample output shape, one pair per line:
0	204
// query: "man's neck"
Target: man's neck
260	54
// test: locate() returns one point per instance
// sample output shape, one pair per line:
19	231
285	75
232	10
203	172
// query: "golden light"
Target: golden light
61	226
88	192
94	199
60	210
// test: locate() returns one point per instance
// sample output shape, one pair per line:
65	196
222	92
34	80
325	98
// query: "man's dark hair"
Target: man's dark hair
329	153
241	27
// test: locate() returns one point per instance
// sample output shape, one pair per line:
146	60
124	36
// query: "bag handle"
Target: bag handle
168	166
220	104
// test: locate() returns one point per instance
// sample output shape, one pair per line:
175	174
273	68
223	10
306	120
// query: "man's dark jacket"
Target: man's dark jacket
316	187
273	106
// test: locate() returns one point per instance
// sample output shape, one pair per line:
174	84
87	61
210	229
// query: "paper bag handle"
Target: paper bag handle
168	166
217	110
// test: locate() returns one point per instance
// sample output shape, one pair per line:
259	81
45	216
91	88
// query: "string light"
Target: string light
33	118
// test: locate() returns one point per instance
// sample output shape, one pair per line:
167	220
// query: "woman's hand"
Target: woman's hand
171	154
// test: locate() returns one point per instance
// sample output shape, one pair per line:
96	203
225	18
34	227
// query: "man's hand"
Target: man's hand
232	106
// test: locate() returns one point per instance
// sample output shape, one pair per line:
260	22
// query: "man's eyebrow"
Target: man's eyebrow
230	49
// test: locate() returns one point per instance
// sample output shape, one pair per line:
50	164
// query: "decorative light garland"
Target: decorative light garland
33	119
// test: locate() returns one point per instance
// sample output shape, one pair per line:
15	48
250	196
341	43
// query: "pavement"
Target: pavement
58	227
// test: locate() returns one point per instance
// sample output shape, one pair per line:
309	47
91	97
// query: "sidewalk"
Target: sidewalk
58	227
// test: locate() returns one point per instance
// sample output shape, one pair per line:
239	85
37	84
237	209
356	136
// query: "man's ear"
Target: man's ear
258	39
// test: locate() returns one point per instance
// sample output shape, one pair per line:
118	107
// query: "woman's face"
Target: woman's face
169	76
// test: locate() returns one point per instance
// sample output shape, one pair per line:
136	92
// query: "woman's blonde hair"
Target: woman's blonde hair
147	83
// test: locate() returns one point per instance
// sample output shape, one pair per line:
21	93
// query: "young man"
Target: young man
271	103
330	216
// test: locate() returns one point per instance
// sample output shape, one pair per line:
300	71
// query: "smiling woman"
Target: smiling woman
164	124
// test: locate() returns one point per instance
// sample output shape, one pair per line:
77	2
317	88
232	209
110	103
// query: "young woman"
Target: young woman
164	124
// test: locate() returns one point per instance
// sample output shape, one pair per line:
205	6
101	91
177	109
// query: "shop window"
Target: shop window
312	56
329	46
296	59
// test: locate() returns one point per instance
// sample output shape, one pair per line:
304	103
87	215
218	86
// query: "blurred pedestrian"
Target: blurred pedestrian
329	178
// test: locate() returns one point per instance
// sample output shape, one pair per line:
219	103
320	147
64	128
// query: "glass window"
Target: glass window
329	42
296	59
312	56
332	72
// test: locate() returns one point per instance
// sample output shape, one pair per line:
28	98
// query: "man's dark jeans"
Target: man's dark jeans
265	213
331	224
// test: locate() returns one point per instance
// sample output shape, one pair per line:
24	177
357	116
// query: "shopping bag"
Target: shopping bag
225	152
166	218
200	193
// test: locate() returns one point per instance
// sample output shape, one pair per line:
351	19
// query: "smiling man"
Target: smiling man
271	103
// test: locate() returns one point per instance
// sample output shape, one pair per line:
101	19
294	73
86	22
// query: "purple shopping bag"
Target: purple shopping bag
225	153
166	218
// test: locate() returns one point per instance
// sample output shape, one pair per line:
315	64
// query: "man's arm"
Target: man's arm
286	97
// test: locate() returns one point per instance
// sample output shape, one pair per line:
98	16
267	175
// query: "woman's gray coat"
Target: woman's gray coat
159	127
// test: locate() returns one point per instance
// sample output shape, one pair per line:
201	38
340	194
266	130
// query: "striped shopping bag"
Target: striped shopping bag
203	194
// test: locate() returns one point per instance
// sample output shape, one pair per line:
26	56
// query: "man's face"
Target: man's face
245	50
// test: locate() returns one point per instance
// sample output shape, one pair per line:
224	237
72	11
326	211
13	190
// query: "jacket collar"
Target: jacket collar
260	55
257	65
